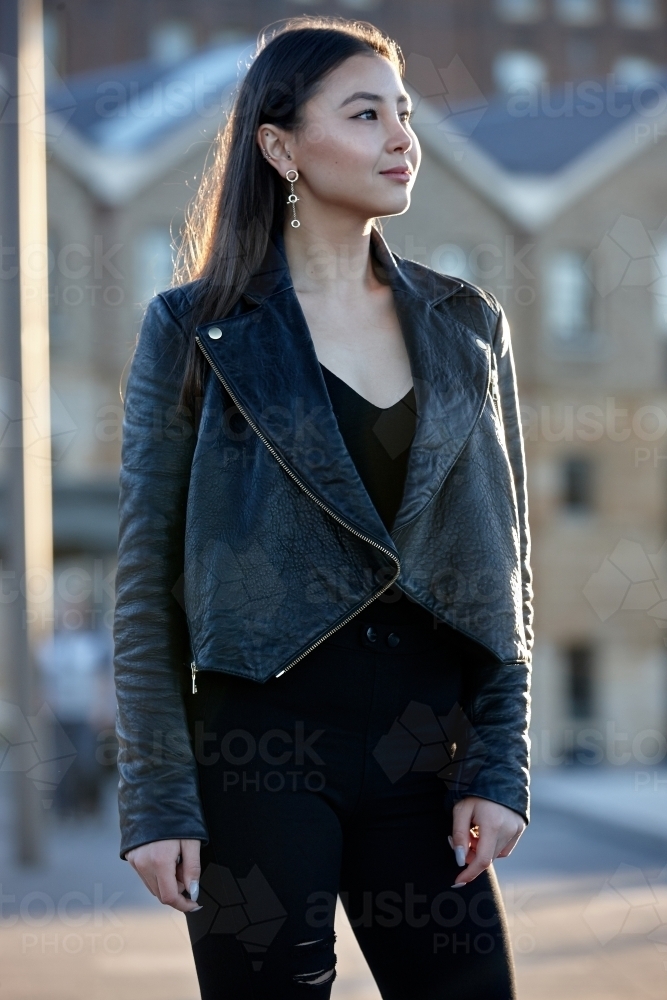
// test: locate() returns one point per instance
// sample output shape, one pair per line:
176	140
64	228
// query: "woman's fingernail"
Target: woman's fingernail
460	853
451	842
196	909
194	890
458	885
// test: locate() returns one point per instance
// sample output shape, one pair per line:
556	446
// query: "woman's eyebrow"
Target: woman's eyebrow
366	96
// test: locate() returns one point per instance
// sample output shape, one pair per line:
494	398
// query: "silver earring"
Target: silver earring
292	198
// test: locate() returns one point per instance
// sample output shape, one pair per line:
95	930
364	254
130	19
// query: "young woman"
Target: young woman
323	624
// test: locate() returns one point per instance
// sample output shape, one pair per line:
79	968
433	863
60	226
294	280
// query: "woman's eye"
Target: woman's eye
404	116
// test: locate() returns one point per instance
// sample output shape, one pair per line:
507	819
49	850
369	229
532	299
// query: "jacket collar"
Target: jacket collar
273	275
267	357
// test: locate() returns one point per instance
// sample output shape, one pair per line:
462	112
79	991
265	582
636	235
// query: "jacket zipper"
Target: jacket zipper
495	388
317	500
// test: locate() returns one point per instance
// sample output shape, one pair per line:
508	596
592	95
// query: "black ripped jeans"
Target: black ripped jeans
333	780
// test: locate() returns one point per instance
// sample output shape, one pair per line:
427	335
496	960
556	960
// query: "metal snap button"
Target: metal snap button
393	639
215	333
371	634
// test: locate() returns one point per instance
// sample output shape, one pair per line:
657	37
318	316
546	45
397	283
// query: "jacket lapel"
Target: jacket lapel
450	367
267	357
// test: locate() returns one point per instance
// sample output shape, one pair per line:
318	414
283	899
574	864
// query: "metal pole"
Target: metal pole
26	339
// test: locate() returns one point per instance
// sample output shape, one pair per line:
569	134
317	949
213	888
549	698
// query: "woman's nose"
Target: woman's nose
401	140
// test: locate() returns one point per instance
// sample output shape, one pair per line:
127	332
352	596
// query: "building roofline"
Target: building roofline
117	178
533	201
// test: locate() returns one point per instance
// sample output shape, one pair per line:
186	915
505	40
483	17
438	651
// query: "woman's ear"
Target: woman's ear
271	141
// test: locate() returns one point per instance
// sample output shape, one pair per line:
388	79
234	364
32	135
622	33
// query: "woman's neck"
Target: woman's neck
330	258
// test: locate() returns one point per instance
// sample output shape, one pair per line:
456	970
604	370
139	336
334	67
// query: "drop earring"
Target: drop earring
292	198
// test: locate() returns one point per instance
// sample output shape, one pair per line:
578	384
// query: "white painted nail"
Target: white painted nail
194	890
458	885
451	842
460	853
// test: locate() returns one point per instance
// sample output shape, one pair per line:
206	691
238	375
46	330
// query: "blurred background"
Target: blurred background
543	126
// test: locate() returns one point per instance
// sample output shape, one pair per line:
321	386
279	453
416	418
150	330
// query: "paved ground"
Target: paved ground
586	899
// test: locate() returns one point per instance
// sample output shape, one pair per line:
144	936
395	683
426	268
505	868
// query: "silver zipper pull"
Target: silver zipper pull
193	668
495	389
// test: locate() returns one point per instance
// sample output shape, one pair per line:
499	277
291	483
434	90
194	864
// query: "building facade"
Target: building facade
495	42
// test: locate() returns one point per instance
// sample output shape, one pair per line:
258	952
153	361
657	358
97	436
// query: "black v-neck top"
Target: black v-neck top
379	440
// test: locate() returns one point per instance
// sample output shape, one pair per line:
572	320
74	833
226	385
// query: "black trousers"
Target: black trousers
329	781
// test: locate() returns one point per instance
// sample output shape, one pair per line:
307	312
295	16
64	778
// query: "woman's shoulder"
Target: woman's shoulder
180	300
436	285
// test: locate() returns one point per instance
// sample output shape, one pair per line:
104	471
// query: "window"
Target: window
577	484
636	70
520	11
568	298
518	68
579	13
637	13
53	46
171	41
361	4
579	663
153	263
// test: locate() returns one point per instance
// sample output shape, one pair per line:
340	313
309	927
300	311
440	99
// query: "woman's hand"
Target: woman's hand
496	831
167	868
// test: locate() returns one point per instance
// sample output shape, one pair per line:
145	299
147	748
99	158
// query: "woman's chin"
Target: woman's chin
389	206
395	209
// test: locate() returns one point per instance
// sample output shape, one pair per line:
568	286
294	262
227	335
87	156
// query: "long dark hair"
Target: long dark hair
241	198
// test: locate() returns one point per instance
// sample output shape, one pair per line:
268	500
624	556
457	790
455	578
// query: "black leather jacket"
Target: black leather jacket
247	536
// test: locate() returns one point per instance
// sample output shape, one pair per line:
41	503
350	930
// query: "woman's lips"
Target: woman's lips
398	173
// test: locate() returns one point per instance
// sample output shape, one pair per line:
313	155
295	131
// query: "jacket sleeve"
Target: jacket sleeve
498	700
158	787
511	414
